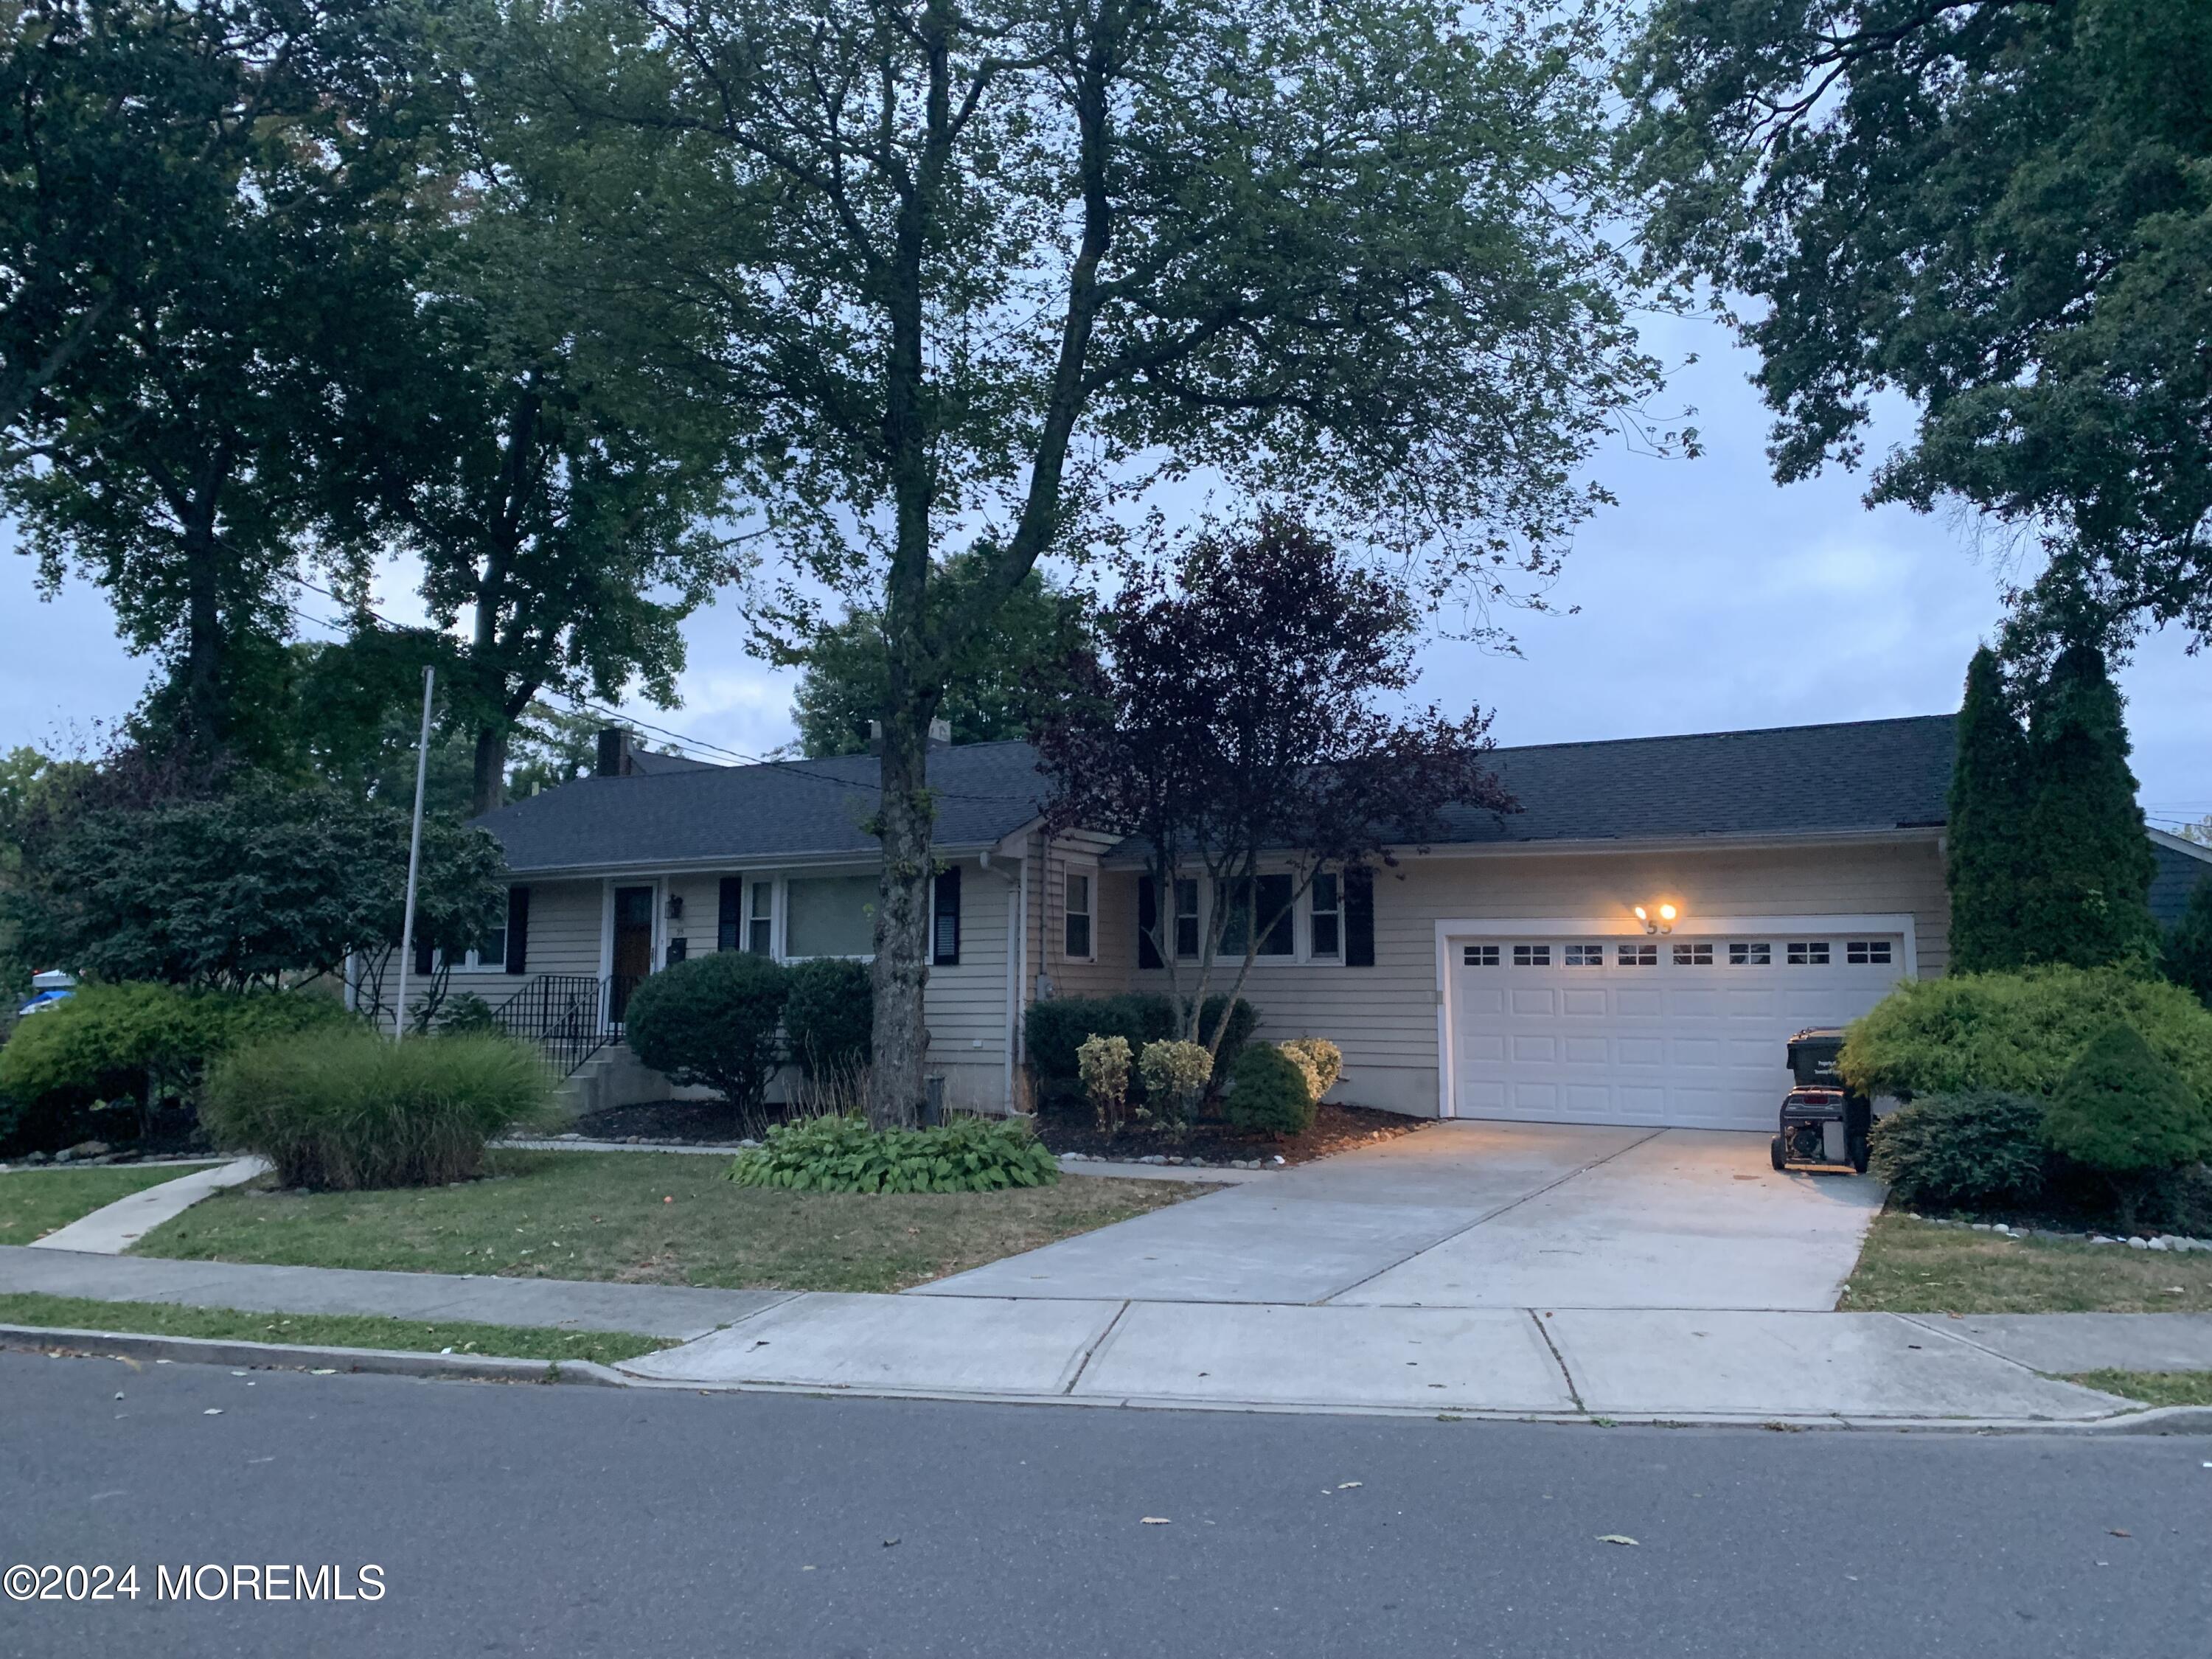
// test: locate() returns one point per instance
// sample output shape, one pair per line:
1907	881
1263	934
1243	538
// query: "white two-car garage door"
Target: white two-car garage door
1670	1030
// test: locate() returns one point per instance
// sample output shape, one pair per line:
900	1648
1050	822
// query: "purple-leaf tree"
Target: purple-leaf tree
1234	732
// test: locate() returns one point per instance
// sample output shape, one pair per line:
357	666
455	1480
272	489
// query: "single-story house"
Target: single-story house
1500	971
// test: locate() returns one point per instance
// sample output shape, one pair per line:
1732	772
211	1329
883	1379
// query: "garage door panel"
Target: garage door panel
1698	1042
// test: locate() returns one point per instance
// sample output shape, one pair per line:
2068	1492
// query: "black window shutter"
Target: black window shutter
423	966
730	918
1148	922
945	925
518	930
1359	918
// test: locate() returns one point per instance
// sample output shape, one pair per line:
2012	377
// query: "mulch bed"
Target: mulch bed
1336	1129
1062	1128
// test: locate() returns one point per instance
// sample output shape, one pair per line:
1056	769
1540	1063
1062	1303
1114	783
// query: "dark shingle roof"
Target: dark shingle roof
1865	776
794	809
1784	780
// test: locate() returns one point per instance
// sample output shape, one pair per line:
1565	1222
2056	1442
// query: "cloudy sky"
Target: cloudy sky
1709	599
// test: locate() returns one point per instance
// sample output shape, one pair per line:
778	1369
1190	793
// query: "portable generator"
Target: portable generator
1824	1122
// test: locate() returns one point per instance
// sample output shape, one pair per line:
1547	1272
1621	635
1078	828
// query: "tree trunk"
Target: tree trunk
896	1087
490	791
205	700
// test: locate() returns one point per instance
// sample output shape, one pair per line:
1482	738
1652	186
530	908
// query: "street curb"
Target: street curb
2161	1419
285	1356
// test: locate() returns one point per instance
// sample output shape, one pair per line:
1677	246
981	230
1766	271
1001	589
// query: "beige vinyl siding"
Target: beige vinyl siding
965	1005
1384	1018
563	939
1112	942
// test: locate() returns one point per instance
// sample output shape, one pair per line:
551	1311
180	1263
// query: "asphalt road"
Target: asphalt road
583	1522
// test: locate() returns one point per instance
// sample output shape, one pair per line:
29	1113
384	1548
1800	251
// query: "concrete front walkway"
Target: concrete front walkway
1483	1215
114	1228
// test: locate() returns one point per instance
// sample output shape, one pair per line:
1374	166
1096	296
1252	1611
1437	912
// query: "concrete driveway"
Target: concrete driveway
1482	1215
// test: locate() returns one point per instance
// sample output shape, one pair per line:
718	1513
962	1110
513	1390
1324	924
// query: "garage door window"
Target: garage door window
1532	956
1758	953
1808	953
1872	952
1478	956
1694	955
1639	956
1585	956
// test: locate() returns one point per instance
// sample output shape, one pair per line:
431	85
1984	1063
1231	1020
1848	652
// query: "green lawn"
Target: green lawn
2152	1388
663	1218
1915	1267
322	1330
33	1202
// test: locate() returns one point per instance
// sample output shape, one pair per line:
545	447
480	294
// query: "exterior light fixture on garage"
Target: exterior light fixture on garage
1664	924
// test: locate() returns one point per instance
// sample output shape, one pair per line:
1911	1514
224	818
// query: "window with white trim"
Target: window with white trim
1532	956
1075	943
830	915
1639	956
1753	953
1477	956
1325	935
1867	951
1694	955
1808	953
488	955
760	922
1585	956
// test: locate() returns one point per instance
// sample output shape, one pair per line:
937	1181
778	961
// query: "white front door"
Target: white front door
1676	1032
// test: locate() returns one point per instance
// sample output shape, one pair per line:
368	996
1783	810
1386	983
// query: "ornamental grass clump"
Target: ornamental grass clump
1175	1075
349	1108
1102	1063
844	1155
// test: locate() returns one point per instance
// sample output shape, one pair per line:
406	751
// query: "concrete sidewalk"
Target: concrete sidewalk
114	1228
1691	1365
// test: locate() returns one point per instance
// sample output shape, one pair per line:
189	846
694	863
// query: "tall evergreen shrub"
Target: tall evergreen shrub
1988	809
2085	898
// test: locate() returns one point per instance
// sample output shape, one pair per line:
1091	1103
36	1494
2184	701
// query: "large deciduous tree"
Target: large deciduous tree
977	266
1013	671
2001	208
176	458
1234	731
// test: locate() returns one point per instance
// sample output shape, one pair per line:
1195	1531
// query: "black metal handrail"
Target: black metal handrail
570	1015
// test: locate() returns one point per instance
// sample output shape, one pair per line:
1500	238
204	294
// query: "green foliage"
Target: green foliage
347	1109
1103	1064
2003	211
714	1020
262	882
1270	1091
1008	674
2017	1032
1054	1030
842	1154
1176	1074
2187	958
1988	808
830	1019
135	1040
467	1015
1234	1022
1322	1061
1963	1151
2084	856
2122	1110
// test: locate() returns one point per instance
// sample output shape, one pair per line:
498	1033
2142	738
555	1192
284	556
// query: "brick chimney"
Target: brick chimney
615	757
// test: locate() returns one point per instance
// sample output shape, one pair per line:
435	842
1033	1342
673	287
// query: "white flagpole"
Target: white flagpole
413	858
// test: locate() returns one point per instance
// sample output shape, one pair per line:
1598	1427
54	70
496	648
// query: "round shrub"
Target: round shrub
467	1015
1176	1074
1104	1063
842	1154
1969	1150
2122	1110
830	1017
1322	1061
712	1021
2018	1031
349	1108
1269	1090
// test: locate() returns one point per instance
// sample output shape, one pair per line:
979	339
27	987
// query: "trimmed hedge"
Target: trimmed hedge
714	1021
2018	1031
844	1155
1963	1151
830	1019
1270	1090
347	1109
116	1041
1055	1029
